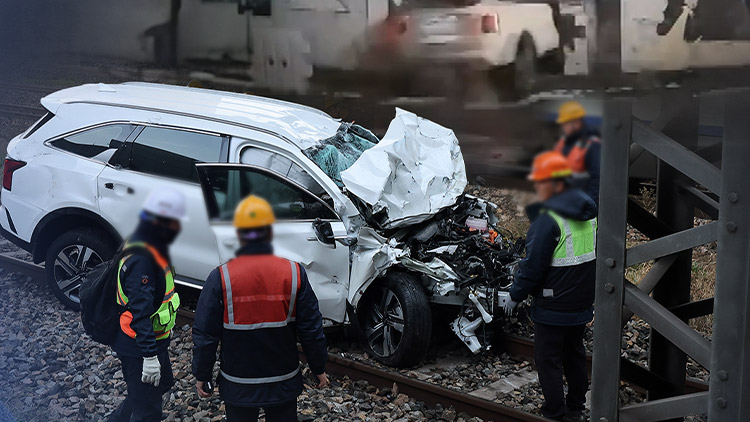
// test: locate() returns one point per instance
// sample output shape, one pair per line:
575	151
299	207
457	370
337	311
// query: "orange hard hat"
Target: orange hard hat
252	213
549	165
569	111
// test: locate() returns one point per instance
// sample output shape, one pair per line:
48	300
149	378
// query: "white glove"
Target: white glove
508	306
151	371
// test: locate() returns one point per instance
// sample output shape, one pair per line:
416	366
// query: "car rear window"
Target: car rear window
41	122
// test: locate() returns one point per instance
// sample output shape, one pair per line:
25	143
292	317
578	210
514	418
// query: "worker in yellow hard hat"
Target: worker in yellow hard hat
559	272
581	145
257	305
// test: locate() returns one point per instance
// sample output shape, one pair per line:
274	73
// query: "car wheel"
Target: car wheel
396	320
524	67
69	256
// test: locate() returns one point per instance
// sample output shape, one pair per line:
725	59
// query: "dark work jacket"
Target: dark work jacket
270	349
143	298
590	185
574	285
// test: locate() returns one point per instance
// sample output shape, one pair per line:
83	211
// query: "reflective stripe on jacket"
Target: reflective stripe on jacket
260	292
577	154
163	320
563	289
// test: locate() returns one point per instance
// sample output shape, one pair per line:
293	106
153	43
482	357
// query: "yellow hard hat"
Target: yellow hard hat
253	212
194	83
569	111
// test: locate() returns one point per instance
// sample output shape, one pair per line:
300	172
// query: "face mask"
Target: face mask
165	234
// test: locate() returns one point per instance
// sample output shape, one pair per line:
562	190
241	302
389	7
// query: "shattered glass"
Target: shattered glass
339	152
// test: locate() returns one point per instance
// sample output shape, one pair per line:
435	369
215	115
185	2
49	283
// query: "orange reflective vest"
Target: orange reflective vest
259	299
259	291
577	155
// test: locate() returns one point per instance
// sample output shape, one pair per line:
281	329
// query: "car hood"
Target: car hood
413	173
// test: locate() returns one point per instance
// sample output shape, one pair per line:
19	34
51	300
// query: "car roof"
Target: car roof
301	125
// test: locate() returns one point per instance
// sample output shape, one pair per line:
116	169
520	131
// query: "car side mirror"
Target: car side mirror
324	232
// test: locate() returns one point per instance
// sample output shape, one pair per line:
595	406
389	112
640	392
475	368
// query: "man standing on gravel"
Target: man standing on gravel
581	145
145	288
256	306
559	271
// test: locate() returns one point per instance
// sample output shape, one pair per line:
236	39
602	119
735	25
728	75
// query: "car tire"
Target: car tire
396	320
69	255
525	67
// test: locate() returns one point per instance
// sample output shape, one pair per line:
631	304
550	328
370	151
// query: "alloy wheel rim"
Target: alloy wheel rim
70	265
385	323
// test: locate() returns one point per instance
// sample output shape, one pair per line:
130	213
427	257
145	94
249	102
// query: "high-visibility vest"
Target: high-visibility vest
259	292
577	242
165	317
577	155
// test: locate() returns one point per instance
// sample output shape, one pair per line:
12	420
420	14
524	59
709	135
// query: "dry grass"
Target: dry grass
703	269
703	283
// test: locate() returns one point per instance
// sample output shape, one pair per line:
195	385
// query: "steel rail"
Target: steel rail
431	394
21	111
27	88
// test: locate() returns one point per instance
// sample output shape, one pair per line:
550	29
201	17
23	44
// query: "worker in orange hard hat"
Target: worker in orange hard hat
581	145
559	271
257	306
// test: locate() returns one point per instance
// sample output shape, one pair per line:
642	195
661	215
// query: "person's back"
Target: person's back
257	305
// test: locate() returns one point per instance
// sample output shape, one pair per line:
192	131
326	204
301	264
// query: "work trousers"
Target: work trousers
559	350
144	401
286	412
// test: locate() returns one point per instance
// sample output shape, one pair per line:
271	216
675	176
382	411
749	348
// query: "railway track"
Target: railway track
337	365
26	112
27	88
430	394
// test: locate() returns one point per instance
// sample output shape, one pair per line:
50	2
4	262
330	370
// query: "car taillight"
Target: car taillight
490	23
8	169
402	24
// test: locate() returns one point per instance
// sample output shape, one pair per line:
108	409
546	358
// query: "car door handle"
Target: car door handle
230	243
111	186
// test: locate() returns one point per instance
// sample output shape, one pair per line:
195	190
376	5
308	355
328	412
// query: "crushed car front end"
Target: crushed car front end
416	228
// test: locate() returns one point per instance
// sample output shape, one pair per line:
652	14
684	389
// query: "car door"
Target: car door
165	156
296	209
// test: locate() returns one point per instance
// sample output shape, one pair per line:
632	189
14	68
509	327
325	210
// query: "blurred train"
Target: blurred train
284	42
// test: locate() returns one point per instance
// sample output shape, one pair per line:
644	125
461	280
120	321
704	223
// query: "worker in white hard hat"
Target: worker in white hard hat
146	294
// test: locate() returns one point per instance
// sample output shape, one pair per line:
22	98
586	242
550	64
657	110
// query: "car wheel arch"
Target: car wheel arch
61	220
355	299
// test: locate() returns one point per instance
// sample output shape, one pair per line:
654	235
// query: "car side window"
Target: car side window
286	167
173	153
98	143
226	186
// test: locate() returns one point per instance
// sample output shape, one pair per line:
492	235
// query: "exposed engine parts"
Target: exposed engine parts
467	260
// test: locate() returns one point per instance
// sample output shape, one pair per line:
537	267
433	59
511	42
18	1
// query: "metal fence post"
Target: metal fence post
730	361
666	359
610	265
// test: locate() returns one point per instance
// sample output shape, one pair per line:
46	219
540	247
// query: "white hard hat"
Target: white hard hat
166	202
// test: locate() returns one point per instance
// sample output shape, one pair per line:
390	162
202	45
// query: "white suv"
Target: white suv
74	183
